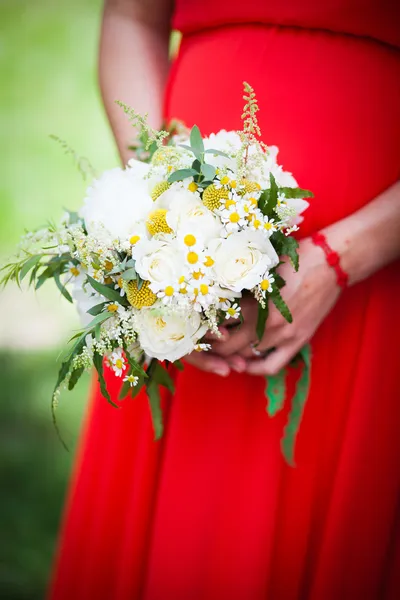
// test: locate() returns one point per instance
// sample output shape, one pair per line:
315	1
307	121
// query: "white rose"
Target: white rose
188	214
159	260
116	202
242	259
168	334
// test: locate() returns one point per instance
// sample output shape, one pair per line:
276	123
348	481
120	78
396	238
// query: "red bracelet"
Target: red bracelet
332	258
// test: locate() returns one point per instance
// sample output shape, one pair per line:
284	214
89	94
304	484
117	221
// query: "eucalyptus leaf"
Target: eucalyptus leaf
196	141
129	274
216	153
208	171
181	174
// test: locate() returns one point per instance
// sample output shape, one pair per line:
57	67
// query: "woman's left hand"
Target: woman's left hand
310	295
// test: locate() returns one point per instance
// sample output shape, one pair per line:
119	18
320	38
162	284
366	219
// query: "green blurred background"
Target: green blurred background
48	84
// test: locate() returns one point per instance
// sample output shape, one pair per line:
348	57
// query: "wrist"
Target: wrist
331	257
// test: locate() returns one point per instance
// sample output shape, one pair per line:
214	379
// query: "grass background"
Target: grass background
48	84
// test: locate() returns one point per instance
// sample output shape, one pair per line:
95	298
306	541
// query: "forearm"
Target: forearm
368	239
133	63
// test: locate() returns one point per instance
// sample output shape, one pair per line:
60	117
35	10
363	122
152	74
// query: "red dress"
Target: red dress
212	511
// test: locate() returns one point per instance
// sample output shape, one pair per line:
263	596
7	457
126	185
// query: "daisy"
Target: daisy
266	284
132	379
117	362
73	269
120	286
233	312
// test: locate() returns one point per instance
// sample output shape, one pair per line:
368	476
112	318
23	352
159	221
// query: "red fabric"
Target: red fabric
211	511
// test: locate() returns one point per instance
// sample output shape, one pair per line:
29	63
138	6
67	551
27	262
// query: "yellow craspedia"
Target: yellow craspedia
159	189
157	222
213	197
249	186
139	298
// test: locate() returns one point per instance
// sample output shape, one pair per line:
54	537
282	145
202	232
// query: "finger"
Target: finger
273	338
210	336
238	340
237	363
206	361
274	362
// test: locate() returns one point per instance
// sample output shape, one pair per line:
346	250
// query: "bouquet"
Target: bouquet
162	251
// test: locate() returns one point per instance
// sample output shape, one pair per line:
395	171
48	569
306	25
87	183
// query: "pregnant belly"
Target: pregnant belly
330	102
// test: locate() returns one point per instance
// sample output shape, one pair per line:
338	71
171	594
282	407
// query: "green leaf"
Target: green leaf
96	310
131	262
281	305
297	409
286	245
124	390
129	274
179	365
62	288
75	376
153	394
208	171
275	392
28	265
216	153
98	320
181	174
137	388
105	291
279	281
196	141
296	192
98	364
291	247
262	317
162	377
196	165
66	364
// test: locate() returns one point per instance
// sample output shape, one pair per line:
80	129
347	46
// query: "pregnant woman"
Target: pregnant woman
212	511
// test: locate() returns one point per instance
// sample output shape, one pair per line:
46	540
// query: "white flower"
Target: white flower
242	258
188	214
169	334
233	311
234	217
159	260
120	286
168	293
117	362
116	202
73	269
226	141
266	283
133	380
202	347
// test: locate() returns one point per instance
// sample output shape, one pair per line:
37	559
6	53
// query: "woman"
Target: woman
212	511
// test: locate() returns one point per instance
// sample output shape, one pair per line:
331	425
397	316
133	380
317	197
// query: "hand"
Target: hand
310	294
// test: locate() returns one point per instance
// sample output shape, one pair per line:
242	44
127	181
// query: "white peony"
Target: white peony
116	202
188	214
242	259
168	334
159	260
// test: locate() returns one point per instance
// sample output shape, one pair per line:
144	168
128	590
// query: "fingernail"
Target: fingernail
222	371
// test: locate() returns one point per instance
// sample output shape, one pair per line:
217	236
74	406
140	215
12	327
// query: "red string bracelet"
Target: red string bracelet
332	258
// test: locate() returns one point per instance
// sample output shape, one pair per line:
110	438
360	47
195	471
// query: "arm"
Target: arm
366	241
133	62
